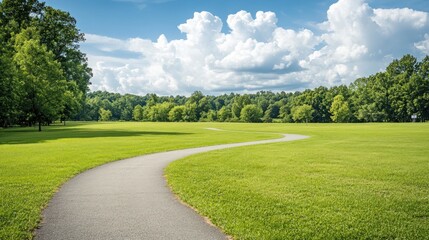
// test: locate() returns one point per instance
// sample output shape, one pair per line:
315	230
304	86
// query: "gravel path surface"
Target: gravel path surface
129	199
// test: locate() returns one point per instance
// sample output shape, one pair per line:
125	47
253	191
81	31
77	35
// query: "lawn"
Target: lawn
34	164
348	181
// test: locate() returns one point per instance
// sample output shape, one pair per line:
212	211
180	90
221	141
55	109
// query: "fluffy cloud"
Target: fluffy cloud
423	45
257	54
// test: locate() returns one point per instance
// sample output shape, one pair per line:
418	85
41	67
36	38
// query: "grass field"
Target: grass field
348	181
34	164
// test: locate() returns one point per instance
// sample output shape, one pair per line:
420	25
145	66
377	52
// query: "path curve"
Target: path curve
129	199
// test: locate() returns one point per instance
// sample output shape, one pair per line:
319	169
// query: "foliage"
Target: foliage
238	104
251	113
177	114
138	113
159	112
40	39
105	115
302	113
43	81
340	109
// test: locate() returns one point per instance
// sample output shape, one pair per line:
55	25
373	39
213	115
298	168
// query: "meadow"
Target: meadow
348	181
33	165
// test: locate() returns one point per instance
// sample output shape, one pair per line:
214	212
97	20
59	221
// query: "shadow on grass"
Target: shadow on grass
28	135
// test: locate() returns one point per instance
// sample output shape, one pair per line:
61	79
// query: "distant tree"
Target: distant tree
302	113
420	90
340	110
138	113
251	113
72	102
286	113
159	112
369	113
190	114
224	114
272	111
382	97
401	73
176	114
105	115
212	115
238	104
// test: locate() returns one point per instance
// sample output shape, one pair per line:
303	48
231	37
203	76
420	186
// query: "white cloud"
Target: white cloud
257	54
423	45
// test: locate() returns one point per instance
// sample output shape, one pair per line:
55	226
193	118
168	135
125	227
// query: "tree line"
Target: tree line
44	75
394	95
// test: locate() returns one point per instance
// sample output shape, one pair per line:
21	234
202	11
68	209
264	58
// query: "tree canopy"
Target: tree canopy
48	76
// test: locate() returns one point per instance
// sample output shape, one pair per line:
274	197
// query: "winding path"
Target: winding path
129	199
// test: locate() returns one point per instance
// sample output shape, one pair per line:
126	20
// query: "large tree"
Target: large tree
44	84
59	33
55	31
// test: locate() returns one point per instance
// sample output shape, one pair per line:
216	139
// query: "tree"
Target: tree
56	32
420	89
138	113
401	73
10	88
19	13
251	113
272	111
72	102
177	114
381	90
105	115
340	110
369	113
44	83
302	113
238	104
224	114
59	33
190	114
212	115
159	112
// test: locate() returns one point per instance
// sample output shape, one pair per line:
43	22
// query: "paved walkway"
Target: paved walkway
129	199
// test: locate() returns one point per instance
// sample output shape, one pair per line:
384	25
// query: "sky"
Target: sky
173	47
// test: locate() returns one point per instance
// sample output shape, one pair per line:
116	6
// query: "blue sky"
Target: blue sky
220	46
151	18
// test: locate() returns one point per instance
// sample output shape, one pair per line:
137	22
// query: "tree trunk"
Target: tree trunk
40	126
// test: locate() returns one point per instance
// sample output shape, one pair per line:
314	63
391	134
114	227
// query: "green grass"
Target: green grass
34	164
348	181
